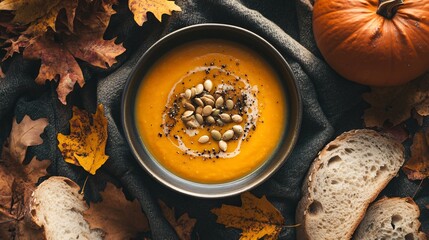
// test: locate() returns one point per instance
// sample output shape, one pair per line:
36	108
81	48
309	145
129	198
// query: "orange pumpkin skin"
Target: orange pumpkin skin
368	48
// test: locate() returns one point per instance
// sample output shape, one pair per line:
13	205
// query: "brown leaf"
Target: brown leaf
417	167
86	144
115	215
56	61
17	180
257	217
25	134
157	7
394	104
183	226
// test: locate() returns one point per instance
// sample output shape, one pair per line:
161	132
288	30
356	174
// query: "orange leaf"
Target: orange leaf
115	215
394	104
86	144
157	7
417	167
257	217
25	134
183	226
55	61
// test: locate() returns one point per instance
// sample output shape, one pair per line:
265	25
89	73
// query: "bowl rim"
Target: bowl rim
212	190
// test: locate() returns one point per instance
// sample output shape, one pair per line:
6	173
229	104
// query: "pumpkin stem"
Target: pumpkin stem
387	8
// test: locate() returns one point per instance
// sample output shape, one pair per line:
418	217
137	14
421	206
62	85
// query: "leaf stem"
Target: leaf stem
84	185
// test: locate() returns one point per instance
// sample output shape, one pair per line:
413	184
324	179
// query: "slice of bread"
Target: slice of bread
343	180
391	218
57	207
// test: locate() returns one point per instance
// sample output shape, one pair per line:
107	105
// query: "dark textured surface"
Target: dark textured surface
331	105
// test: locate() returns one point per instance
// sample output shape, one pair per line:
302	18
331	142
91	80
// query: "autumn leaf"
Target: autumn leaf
394	105
17	180
183	226
257	217
157	7
25	134
118	217
86	144
56	61
87	42
417	167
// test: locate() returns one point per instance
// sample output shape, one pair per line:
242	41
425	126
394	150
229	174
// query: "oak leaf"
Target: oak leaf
86	144
115	215
25	134
417	167
183	226
18	179
157	7
394	105
56	62
257	217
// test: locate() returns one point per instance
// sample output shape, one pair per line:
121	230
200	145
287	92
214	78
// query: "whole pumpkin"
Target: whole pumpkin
374	42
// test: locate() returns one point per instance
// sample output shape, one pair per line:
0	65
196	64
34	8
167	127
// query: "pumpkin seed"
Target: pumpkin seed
238	130
210	96
199	118
219	102
187	115
192	124
225	117
193	92
189	106
215	112
207	101
219	122
210	120
216	135
229	104
199	102
199	88
199	110
236	118
223	145
204	139
207	110
228	135
188	93
208	85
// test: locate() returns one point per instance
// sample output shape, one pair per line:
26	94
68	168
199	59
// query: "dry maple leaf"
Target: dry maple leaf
56	61
115	215
417	167
183	226
25	134
157	7
86	144
257	217
395	104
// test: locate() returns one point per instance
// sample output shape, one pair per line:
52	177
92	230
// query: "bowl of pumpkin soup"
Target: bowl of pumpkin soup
211	110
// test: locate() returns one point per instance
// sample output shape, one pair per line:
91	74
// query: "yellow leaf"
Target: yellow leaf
86	144
183	226
257	217
157	7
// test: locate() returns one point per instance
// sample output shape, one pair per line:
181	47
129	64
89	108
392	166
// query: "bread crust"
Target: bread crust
301	215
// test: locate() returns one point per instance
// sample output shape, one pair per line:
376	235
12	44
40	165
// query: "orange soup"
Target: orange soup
211	111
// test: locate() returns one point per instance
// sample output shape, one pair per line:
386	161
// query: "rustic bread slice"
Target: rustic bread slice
343	180
57	206
391	218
